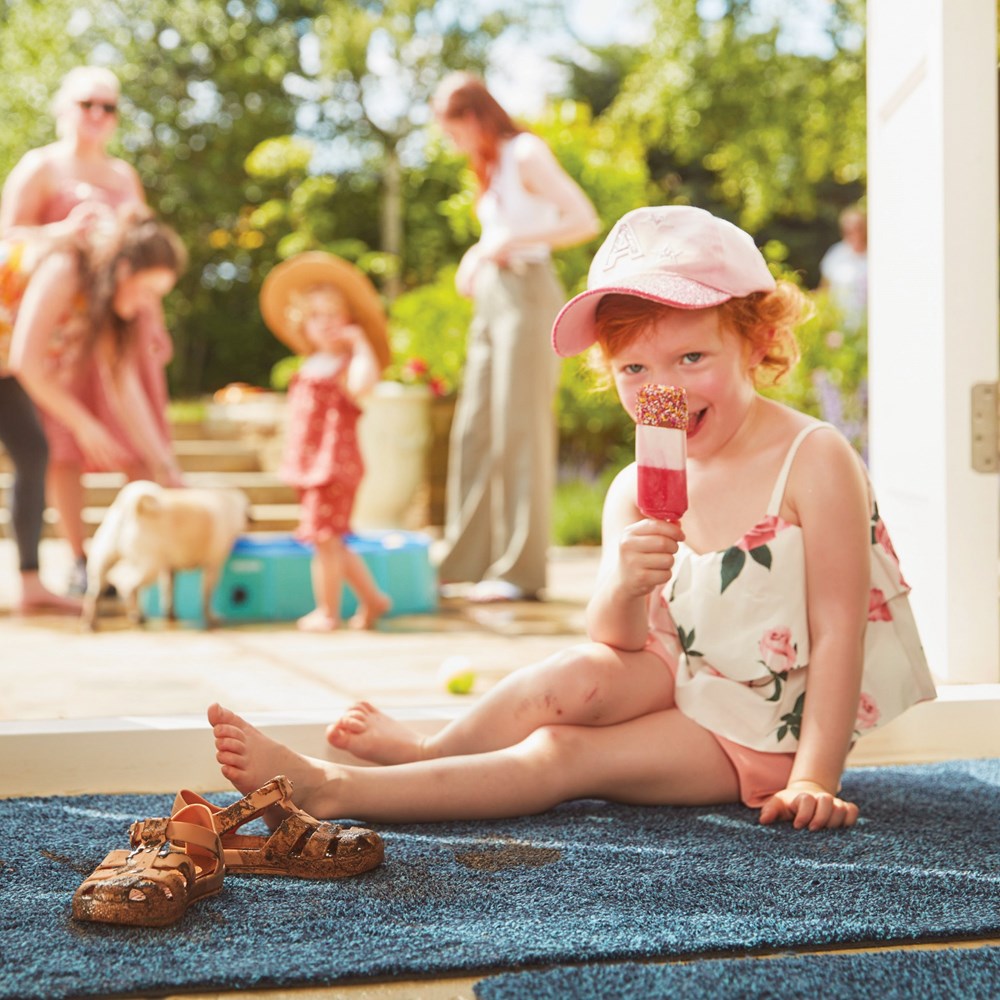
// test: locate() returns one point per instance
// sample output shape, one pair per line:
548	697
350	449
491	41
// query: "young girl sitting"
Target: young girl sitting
737	659
324	308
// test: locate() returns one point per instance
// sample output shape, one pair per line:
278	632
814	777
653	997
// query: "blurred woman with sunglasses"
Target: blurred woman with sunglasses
60	192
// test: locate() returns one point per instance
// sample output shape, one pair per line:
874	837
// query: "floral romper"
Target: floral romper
322	457
736	622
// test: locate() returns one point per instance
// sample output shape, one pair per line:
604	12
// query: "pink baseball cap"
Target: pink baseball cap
674	254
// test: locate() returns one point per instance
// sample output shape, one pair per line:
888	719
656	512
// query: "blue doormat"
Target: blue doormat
946	974
586	882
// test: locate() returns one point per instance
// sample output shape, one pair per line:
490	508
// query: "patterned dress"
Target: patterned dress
736	621
322	457
151	352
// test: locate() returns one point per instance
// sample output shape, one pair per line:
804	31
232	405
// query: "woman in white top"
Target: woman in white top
502	459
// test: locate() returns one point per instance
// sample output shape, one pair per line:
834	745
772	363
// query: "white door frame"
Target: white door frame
932	200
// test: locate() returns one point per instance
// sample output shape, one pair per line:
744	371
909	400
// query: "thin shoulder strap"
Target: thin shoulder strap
779	486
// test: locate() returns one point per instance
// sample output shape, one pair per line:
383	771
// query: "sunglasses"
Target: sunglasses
107	108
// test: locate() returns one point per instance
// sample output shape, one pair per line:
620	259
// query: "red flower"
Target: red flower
416	367
868	712
761	533
878	607
778	650
882	537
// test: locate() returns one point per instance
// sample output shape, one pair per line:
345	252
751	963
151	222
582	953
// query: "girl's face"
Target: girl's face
690	348
137	290
325	313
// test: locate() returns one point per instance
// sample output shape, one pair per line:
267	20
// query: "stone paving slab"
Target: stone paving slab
50	669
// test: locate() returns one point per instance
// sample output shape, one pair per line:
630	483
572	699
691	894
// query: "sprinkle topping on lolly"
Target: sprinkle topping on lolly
662	406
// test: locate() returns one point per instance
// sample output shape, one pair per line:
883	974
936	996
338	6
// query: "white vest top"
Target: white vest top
507	209
737	621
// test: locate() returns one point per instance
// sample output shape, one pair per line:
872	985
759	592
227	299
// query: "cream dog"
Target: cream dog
152	531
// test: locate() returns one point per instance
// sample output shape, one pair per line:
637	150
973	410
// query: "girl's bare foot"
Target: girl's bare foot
372	735
249	759
318	621
369	613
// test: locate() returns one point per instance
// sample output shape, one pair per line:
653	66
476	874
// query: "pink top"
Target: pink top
152	352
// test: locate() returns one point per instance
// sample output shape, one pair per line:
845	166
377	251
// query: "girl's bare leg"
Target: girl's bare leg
65	487
327	576
662	758
372	602
587	685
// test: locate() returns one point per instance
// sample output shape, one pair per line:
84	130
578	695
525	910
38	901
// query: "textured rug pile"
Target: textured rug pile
589	882
944	974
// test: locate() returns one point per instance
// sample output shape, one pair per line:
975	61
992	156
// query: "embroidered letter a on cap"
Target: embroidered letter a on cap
625	244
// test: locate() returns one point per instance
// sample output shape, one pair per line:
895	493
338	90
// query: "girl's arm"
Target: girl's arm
364	370
22	197
46	302
829	492
135	414
637	556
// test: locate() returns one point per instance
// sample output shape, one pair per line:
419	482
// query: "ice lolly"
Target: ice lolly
661	451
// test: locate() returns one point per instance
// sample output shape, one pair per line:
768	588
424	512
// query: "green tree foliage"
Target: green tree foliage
35	50
734	120
263	129
203	82
380	63
208	80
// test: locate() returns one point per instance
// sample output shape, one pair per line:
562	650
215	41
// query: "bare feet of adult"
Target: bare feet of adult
368	614
249	758
318	621
38	599
372	735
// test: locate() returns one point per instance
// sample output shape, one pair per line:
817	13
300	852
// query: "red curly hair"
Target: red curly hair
462	94
765	320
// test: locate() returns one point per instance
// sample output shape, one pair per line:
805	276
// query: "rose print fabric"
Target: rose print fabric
321	455
737	622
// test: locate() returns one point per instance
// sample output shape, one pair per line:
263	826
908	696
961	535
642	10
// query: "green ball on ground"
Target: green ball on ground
457	675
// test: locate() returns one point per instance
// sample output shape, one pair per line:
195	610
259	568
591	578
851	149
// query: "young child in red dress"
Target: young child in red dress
325	309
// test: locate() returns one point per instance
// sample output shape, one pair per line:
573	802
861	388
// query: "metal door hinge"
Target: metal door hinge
985	421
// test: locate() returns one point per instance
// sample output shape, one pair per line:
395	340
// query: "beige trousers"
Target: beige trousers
502	455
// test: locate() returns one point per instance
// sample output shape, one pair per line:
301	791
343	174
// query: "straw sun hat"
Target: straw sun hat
308	270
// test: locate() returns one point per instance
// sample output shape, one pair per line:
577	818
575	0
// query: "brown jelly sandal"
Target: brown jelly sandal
153	884
300	846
